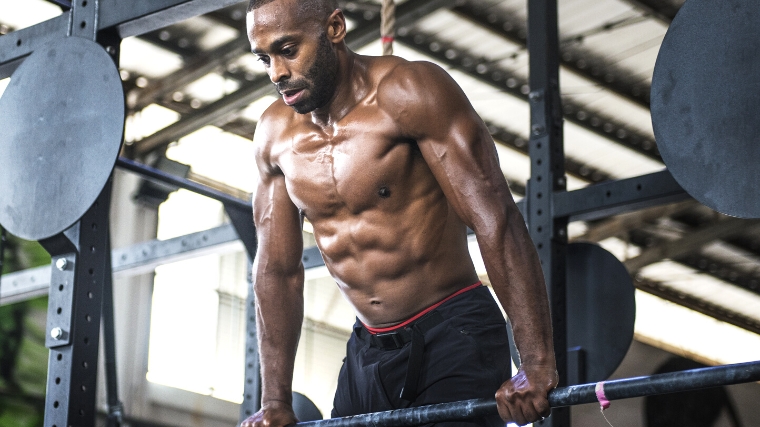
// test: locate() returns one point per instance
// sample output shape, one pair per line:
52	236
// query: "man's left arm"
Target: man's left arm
433	110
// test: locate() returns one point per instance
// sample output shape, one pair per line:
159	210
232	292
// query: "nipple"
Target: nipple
384	192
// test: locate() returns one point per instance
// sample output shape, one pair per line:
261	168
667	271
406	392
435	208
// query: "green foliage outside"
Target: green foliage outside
23	356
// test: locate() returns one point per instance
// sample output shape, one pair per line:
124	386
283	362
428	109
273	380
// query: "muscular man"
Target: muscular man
390	163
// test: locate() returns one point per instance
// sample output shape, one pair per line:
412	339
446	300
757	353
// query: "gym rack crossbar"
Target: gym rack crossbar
158	175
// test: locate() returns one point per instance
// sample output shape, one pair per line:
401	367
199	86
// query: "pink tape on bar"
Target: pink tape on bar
600	395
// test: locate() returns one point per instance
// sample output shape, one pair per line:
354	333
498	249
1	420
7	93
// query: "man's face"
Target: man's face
297	54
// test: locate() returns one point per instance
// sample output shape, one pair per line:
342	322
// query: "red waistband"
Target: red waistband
374	331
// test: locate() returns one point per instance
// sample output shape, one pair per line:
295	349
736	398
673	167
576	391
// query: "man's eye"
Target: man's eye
288	51
264	59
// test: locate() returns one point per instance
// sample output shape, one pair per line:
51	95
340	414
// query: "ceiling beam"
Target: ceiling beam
128	18
210	114
701	262
620	225
726	272
746	242
178	38
689	242
631	227
573	167
586	64
741	275
505	80
663	10
699	305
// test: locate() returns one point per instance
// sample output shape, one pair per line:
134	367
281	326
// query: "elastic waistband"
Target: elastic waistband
375	331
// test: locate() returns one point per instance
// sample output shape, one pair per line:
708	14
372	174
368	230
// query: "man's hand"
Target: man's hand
272	414
523	399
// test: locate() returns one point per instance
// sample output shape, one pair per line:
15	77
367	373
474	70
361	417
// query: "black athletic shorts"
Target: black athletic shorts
465	356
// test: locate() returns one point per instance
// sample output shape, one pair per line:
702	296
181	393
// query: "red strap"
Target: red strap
386	39
374	331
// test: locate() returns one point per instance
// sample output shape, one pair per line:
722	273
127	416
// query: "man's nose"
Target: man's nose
278	71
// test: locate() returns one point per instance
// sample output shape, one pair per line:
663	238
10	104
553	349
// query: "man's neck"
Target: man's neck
350	90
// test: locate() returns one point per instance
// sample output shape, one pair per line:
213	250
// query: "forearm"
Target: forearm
515	273
279	309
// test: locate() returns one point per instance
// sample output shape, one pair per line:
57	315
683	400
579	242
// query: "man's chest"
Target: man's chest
355	168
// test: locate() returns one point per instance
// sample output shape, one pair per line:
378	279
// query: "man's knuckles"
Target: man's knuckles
519	395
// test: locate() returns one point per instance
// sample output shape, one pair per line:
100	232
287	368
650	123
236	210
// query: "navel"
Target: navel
384	192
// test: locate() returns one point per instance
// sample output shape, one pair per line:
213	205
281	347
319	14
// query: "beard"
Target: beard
319	80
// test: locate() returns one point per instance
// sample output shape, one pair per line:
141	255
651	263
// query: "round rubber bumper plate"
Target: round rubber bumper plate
62	121
706	103
601	310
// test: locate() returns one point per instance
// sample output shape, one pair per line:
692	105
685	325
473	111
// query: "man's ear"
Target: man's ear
336	26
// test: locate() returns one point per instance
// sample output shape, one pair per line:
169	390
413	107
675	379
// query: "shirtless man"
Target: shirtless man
390	163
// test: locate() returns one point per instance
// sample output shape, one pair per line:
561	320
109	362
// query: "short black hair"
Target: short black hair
315	8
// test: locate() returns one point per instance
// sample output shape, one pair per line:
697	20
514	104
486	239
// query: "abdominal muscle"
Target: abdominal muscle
392	265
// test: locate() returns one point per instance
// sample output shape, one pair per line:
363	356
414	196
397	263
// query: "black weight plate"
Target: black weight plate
706	103
62	121
601	308
304	408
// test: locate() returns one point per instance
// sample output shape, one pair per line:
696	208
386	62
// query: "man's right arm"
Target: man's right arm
278	283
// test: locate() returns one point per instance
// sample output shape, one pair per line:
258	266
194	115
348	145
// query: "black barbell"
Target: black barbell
563	396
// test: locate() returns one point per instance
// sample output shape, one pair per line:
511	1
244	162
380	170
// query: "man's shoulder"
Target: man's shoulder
413	90
270	130
400	73
275	119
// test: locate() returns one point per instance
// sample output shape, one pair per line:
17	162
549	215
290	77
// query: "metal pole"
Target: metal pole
161	176
115	407
252	387
547	156
672	382
74	314
111	41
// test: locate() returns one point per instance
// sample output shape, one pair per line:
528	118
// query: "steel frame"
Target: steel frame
81	276
130	261
78	279
547	155
126	18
